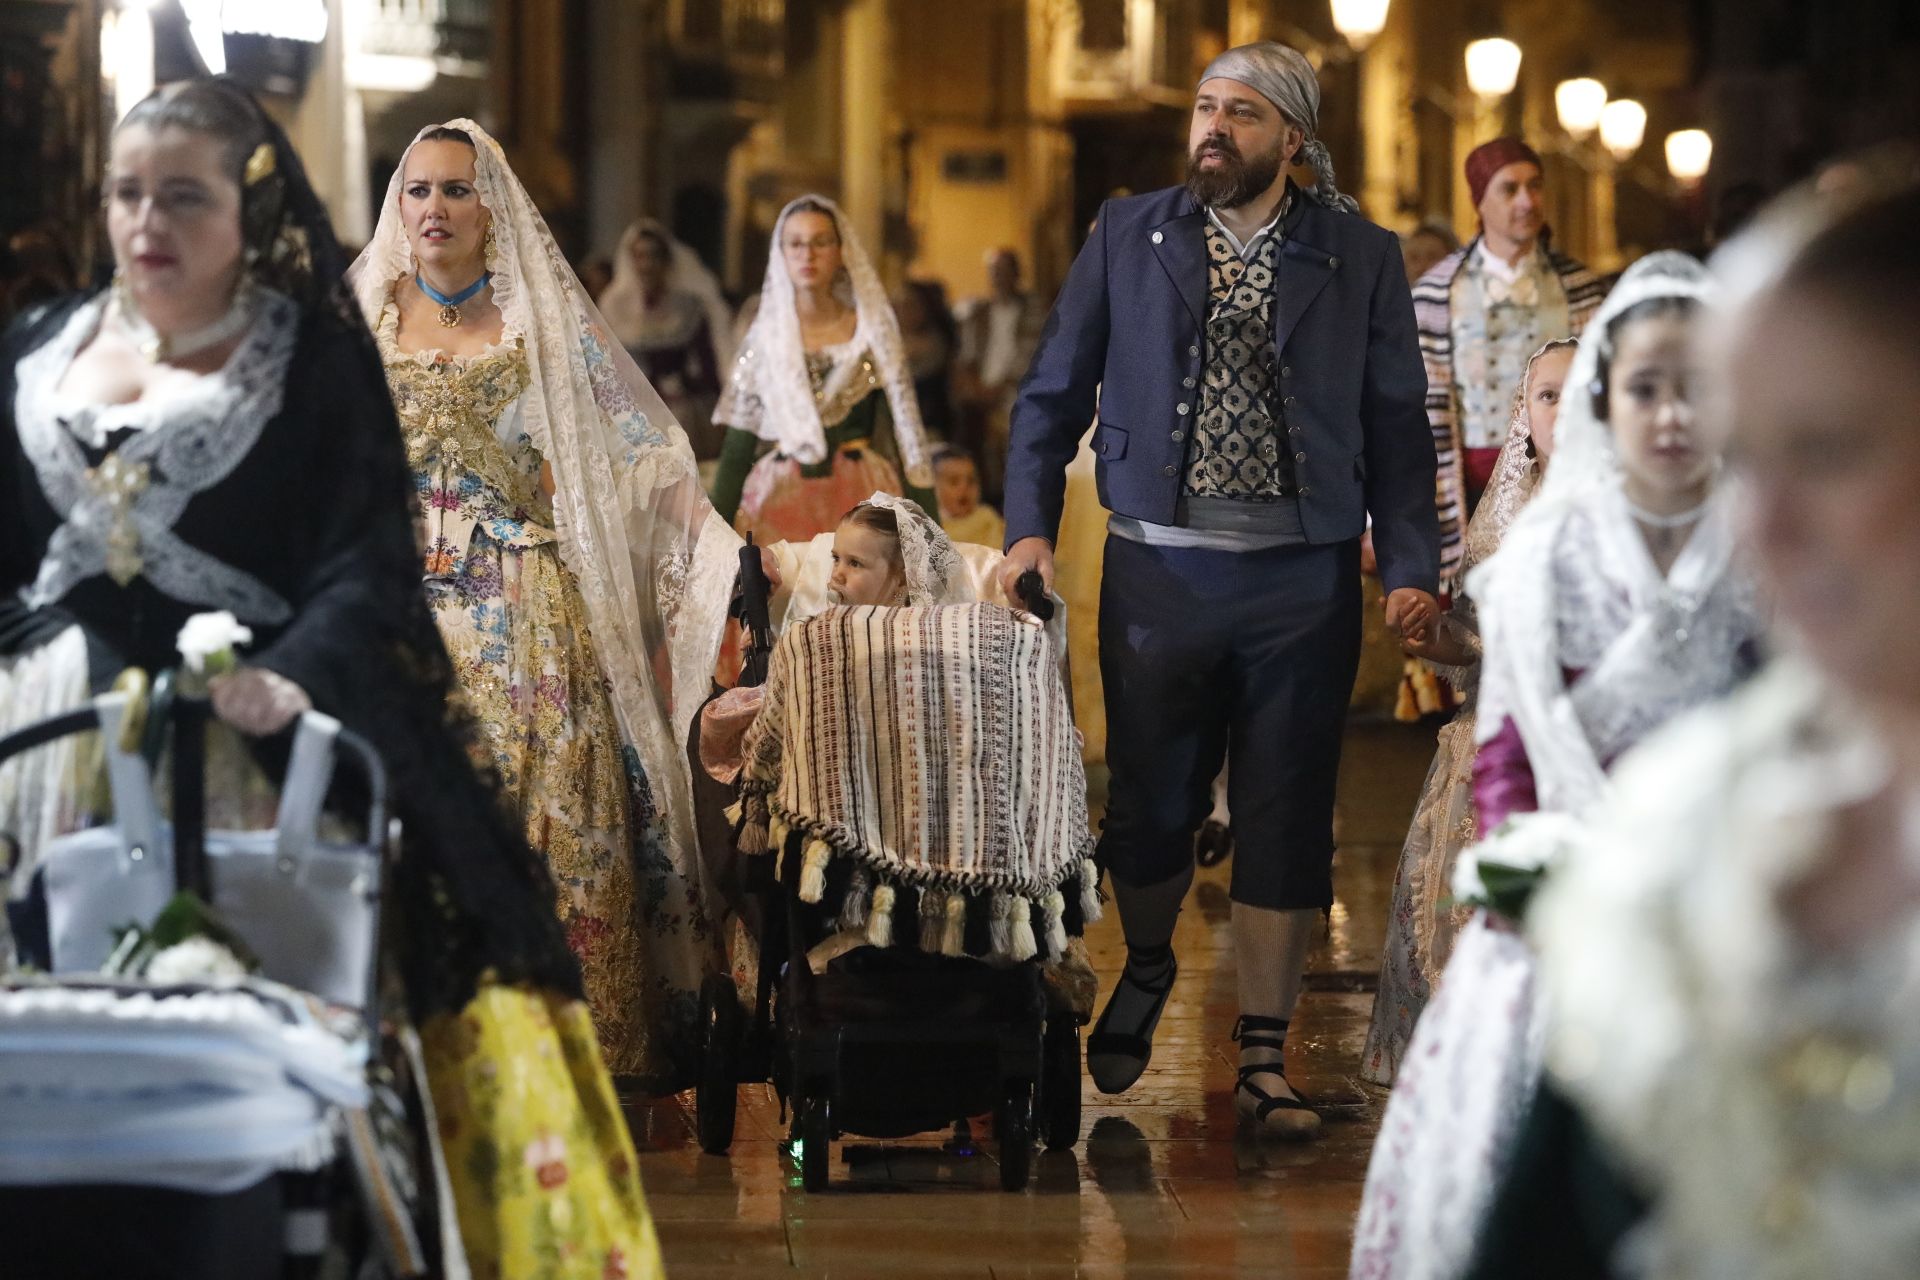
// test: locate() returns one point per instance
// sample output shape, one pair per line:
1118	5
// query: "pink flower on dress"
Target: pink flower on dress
547	1157
585	934
616	1268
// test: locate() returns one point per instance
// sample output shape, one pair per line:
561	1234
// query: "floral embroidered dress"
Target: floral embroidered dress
514	623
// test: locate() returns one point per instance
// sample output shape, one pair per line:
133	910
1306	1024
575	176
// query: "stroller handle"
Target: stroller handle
1031	589
348	745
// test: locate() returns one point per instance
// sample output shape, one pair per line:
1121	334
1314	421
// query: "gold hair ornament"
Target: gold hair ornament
261	164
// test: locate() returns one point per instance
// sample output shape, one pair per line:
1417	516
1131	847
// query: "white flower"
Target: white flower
195	960
1467	885
208	640
1524	842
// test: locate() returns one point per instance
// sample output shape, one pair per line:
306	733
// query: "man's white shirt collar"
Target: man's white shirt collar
1253	243
1499	268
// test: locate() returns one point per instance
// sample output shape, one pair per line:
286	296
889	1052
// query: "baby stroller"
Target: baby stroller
886	1040
234	1125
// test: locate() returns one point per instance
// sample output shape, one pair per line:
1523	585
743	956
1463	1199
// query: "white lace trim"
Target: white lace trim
192	442
926	552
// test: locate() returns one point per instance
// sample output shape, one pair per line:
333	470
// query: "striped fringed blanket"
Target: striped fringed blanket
923	764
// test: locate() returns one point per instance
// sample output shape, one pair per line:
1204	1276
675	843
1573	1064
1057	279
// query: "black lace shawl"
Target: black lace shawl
322	510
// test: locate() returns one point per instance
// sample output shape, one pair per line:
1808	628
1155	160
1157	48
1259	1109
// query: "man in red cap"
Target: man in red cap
1482	312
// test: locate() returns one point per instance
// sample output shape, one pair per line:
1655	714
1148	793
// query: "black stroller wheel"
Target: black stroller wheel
816	1140
717	1095
1014	1127
1060	1084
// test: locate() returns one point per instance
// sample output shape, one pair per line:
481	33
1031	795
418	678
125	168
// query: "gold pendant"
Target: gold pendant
120	484
153	350
449	316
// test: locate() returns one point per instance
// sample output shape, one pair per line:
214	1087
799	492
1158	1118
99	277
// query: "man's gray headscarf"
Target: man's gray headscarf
1285	78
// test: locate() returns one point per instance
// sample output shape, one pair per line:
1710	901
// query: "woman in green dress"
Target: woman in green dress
823	379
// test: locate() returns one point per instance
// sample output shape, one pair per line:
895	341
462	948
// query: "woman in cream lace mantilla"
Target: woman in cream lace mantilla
575	569
823	377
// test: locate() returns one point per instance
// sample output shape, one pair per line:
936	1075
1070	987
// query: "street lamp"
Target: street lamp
1493	65
1689	153
1578	103
1360	20
1623	124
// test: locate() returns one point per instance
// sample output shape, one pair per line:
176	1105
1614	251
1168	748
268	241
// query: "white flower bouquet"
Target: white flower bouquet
1501	871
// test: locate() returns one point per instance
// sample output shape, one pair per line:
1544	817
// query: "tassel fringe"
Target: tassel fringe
736	812
1001	924
813	872
1024	947
1089	890
1056	910
880	919
853	909
933	919
953	942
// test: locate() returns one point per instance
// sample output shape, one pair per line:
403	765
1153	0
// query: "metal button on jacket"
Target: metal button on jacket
1170	471
1179	436
1193	351
1306	490
1299	457
1156	237
1333	262
1287	403
1186	382
1286	371
1181	408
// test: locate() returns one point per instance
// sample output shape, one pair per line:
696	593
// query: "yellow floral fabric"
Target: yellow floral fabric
544	1177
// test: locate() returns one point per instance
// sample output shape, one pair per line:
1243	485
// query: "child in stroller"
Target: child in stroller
921	837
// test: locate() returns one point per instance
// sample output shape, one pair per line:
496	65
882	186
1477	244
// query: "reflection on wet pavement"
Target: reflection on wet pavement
1160	1184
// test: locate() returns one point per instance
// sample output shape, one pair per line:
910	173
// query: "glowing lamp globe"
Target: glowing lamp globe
1492	67
1360	20
1689	154
1579	103
1623	125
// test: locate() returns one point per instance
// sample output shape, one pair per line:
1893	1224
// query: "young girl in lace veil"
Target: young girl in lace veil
1421	925
885	551
822	377
1613	604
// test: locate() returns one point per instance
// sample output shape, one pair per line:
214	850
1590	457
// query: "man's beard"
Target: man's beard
1236	181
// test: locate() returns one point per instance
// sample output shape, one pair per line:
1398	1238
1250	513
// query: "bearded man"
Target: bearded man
1251	347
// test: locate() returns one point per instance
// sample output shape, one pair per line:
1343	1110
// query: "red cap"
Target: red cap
1490	158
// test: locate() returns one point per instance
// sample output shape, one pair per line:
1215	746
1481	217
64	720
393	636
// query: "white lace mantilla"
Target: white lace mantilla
119	517
1650	654
771	393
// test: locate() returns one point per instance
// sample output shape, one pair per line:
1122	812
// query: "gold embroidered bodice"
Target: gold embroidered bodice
466	475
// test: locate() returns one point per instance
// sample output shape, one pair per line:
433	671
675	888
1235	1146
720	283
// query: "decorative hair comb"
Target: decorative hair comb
260	164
